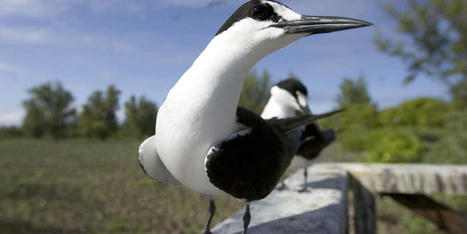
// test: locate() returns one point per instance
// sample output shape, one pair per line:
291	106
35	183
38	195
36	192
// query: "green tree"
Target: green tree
360	114
459	94
48	111
256	92
10	131
140	117
353	92
435	44
98	118
426	112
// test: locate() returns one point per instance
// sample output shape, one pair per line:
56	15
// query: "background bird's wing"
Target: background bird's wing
249	163
151	163
291	124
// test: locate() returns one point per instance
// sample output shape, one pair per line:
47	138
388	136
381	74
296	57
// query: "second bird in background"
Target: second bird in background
289	98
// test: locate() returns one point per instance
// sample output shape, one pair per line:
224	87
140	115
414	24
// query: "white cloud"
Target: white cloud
93	41
7	67
22	35
31	35
34	8
52	8
11	117
102	6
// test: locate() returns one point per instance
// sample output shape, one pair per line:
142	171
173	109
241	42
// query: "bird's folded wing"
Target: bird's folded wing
249	163
314	141
151	163
329	136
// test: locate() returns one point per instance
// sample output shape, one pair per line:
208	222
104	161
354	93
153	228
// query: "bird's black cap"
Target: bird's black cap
254	9
293	85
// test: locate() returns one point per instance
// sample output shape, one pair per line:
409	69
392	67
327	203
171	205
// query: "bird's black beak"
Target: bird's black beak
320	24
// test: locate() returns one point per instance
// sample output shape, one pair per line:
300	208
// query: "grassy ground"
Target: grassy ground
89	186
85	186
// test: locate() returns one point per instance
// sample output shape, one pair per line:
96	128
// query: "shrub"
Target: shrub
451	149
362	141
8	132
456	120
356	117
395	147
416	112
429	135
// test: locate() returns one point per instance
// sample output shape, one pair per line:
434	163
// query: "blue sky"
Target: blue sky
144	46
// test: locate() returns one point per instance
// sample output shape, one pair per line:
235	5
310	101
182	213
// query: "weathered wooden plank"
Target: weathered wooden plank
364	208
439	214
409	178
323	210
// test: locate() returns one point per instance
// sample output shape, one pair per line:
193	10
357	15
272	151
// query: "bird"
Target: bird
289	99
203	139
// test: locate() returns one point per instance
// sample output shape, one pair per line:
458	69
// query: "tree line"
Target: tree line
50	111
423	129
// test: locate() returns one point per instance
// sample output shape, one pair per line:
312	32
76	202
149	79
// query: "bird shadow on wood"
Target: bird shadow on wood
330	183
323	220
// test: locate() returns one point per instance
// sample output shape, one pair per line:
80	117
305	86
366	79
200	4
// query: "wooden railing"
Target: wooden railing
325	208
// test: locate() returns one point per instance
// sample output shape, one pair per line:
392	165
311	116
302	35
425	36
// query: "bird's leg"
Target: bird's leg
305	175
212	210
246	219
282	185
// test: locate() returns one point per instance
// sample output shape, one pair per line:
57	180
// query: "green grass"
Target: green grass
89	186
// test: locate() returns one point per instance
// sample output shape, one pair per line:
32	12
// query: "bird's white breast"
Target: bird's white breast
188	124
199	112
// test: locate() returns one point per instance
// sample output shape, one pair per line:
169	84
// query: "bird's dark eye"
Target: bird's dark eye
261	12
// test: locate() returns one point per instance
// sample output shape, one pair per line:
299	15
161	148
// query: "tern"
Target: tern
203	140
289	99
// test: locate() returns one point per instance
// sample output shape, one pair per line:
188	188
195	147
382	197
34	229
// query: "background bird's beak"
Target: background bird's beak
320	24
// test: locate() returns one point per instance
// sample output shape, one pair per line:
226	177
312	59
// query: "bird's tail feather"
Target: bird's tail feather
291	124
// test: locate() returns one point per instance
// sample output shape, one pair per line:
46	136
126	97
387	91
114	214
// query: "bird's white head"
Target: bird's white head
264	26
291	94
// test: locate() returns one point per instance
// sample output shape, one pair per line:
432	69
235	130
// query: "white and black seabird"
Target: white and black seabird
289	98
203	139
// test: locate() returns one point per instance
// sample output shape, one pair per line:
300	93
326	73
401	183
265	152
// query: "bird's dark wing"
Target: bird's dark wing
249	163
291	124
314	141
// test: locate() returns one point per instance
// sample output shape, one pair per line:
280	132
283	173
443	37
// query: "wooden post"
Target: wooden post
409	178
322	210
364	206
